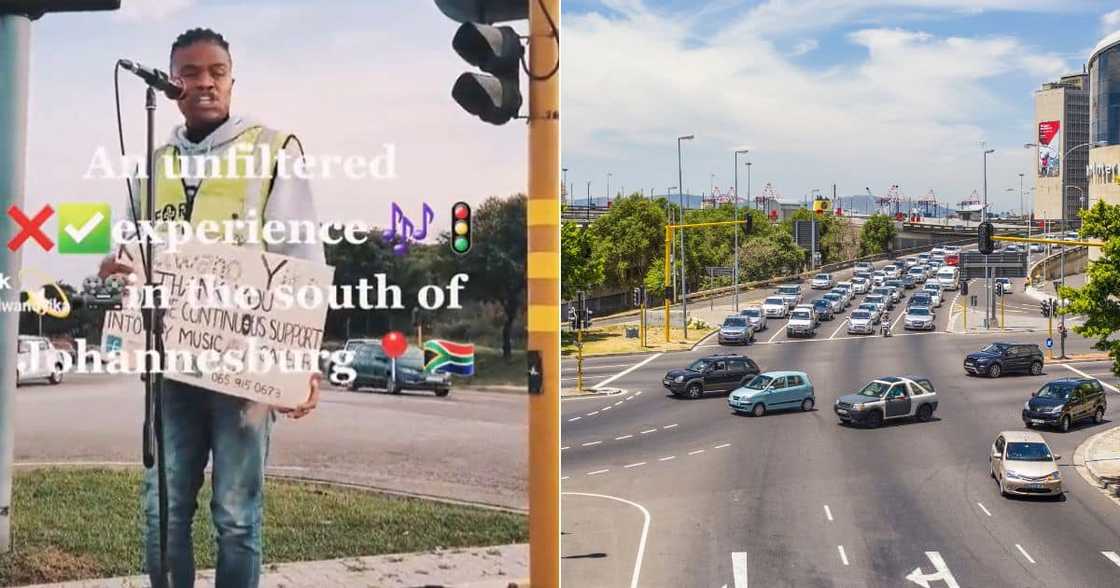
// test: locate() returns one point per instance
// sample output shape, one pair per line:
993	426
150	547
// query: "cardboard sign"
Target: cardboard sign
238	321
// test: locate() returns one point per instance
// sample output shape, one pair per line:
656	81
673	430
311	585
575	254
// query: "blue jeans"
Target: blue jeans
198	422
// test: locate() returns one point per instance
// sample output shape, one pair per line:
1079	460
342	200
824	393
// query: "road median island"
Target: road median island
84	523
612	340
1098	459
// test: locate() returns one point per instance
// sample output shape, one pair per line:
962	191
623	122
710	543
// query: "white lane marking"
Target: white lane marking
585	377
562	478
1025	554
630	397
597	367
574	419
667	458
1085	375
597	472
838	329
669	426
984	509
941	572
739	568
649	431
618	403
623	437
606	408
1112	557
638	393
843	556
695	452
591	443
777	332
900	316
828	512
641	542
634	465
626	371
565	447
722	446
593	413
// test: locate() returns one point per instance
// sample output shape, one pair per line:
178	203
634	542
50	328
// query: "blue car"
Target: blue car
823	309
773	391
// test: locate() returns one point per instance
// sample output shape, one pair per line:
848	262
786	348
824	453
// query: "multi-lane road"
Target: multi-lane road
660	491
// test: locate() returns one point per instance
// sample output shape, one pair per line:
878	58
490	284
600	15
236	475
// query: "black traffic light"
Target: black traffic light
1045	304
748	223
495	96
984	233
964	288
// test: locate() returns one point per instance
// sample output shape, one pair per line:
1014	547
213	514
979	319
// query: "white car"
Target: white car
1022	463
892	271
860	285
949	278
775	307
952	249
918	318
821	282
802	322
918	273
861	322
38	359
937	251
878	277
934	293
1037	248
791	293
755	316
864	266
875	309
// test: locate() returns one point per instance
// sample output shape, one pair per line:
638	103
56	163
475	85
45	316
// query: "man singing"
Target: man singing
199	423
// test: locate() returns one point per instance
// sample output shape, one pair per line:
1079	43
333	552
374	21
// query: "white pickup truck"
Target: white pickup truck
38	359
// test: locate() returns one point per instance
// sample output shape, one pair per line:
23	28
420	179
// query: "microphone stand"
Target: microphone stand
153	339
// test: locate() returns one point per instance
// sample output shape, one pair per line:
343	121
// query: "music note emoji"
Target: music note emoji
395	215
407	230
427	215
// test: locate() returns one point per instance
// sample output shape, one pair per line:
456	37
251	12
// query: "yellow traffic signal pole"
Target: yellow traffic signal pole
1002	311
543	292
669	239
1050	331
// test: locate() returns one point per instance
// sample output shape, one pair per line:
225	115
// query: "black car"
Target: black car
998	358
823	309
1066	401
713	373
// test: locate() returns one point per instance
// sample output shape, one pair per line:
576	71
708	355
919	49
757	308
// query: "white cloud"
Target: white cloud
911	110
150	10
1110	22
803	47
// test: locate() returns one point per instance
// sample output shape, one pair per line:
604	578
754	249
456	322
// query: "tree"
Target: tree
833	243
877	233
1097	299
580	268
762	258
627	238
496	262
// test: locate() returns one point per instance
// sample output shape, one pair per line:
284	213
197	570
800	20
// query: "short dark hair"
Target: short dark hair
198	35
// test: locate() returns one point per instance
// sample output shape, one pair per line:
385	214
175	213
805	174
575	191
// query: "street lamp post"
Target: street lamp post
680	191
987	270
570	197
588	201
609	189
735	249
749	183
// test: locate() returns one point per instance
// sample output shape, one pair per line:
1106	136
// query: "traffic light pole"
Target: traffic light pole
15	40
668	240
543	289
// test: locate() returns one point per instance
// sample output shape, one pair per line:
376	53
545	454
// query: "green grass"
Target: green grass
70	524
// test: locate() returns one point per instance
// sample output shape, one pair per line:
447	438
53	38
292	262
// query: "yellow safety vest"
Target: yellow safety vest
223	194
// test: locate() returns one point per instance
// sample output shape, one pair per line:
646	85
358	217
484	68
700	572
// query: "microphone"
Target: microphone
154	78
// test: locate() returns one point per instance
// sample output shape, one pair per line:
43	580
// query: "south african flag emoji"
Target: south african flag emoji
448	357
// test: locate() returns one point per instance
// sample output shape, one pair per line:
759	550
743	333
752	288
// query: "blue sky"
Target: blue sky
853	92
346	80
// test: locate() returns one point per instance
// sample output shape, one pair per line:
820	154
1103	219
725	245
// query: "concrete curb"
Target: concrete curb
593	393
1089	471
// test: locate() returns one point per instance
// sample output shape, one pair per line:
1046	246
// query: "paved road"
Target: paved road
795	499
469	446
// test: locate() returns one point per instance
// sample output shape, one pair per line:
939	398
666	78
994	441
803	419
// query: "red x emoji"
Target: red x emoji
30	227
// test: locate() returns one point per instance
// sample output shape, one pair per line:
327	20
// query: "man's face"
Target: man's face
206	72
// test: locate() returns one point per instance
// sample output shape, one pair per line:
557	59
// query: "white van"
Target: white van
949	277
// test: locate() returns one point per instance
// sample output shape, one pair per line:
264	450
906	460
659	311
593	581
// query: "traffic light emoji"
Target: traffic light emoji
460	228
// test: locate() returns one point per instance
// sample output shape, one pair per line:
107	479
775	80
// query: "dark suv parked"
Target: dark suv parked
1066	401
713	373
998	358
